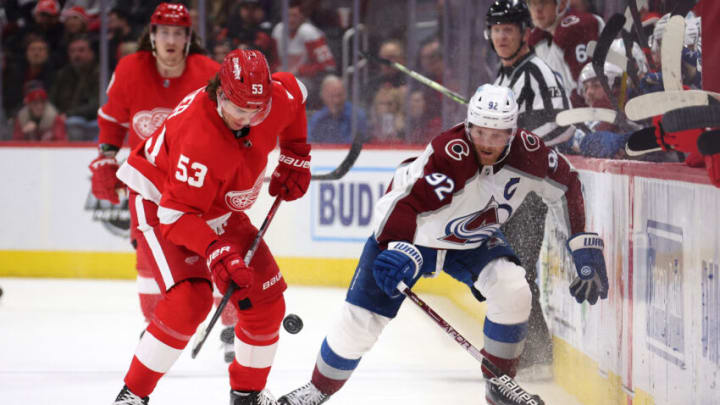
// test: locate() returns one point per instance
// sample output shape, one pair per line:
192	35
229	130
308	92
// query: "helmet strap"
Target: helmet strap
517	52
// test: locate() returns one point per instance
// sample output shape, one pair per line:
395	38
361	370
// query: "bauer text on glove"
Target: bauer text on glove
291	177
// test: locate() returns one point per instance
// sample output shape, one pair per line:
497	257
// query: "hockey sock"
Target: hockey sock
256	341
503	345
332	370
174	321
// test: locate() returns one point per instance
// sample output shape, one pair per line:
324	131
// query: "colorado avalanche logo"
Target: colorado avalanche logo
531	142
242	200
477	226
570	20
146	122
457	148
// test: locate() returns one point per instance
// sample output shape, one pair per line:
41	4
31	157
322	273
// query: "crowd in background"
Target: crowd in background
50	68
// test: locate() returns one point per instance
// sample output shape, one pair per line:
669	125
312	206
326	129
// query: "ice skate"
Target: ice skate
227	337
252	398
308	394
126	397
503	391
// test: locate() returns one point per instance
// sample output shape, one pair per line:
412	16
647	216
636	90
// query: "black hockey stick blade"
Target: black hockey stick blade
346	164
637	25
682	7
631	68
612	29
709	143
704	116
642	142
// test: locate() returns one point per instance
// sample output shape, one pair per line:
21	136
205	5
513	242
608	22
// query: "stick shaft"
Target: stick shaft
422	79
452	332
231	289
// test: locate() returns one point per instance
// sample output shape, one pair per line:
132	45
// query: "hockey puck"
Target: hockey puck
292	324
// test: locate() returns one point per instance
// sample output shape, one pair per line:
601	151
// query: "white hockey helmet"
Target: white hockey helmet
618	46
492	107
612	72
658	32
692	31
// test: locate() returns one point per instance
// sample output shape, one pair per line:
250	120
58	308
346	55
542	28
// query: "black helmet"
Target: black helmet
508	12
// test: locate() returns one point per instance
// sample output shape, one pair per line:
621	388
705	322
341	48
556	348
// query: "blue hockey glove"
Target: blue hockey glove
592	281
401	261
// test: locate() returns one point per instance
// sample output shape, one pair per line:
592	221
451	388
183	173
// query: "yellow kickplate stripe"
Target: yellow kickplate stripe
579	375
296	270
24	263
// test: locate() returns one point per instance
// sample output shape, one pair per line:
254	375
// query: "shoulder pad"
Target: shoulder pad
452	144
537	35
294	87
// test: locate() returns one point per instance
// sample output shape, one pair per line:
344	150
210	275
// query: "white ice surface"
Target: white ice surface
70	342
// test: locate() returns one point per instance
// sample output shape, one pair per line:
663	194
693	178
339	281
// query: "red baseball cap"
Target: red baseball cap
75	11
47	6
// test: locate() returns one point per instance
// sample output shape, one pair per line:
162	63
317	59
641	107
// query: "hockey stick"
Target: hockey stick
231	289
611	30
637	24
658	103
691	118
613	56
585	114
346	164
417	76
502	378
671	48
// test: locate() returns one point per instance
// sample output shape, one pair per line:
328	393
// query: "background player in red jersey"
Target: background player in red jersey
144	89
443	212
560	38
190	183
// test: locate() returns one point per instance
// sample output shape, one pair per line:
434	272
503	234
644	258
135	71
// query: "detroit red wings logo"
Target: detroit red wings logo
242	200
479	225
146	122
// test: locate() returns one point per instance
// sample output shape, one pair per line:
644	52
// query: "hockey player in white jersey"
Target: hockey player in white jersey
443	212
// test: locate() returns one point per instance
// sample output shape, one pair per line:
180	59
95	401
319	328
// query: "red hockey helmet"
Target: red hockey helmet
246	83
171	14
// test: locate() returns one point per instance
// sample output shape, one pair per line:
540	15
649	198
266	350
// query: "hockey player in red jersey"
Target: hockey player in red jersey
443	212
190	183
144	89
560	38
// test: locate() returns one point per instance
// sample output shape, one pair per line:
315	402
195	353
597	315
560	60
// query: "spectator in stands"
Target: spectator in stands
248	28
220	49
35	66
332	124
91	7
75	20
308	55
394	51
38	120
422	124
120	31
433	67
46	23
75	91
386	117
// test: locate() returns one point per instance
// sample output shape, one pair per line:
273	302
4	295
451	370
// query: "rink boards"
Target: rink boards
655	340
